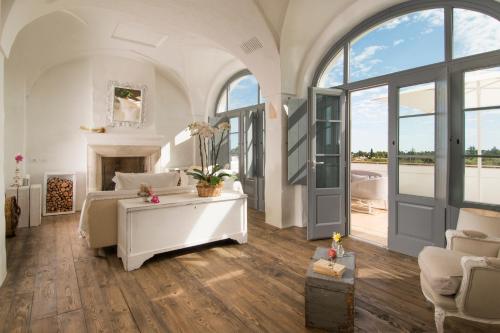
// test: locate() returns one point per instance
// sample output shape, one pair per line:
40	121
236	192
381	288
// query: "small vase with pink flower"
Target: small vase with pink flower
18	177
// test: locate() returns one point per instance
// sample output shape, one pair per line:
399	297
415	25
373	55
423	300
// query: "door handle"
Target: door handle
316	163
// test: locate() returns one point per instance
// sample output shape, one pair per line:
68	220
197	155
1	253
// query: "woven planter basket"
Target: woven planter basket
205	190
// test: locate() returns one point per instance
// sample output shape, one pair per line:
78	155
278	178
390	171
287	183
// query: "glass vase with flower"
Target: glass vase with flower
337	244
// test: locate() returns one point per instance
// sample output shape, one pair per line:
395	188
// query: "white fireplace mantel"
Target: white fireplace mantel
124	139
101	145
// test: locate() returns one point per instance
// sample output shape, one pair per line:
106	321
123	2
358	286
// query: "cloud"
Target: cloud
333	75
369	119
367	53
365	61
391	24
397	42
243	83
474	33
432	17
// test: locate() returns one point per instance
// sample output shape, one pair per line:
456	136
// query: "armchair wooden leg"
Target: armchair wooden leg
439	316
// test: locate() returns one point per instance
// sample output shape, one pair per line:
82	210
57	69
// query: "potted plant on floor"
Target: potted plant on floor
211	176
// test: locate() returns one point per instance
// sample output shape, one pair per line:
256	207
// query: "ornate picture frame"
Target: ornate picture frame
126	104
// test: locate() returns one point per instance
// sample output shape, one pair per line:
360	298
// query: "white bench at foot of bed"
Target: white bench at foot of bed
177	222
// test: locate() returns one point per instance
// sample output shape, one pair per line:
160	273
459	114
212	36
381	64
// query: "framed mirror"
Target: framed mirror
126	104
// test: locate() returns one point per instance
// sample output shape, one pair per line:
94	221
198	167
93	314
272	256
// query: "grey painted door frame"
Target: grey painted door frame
417	221
326	205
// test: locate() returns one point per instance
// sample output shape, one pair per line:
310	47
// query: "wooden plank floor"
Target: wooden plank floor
55	284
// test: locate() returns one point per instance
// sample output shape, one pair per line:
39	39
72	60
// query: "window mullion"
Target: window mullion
448	33
346	63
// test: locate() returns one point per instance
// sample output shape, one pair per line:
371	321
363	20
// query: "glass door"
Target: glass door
250	156
234	145
417	107
243	152
326	170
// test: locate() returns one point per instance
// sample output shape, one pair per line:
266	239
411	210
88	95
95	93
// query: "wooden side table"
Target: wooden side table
329	301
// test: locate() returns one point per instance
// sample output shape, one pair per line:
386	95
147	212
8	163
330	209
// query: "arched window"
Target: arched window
407	42
240	103
334	72
241	91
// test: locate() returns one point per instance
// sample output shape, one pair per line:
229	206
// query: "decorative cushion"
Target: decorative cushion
133	181
475	220
442	269
474	234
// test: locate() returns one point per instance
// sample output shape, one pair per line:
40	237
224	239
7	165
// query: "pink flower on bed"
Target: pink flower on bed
19	158
155	199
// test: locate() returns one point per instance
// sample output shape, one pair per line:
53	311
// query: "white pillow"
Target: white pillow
133	181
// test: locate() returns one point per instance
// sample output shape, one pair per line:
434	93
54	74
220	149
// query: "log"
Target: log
59	198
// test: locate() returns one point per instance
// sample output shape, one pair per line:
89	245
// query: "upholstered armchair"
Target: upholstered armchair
463	280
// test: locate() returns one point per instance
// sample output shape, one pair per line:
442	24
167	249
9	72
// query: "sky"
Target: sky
413	40
410	41
369	119
243	92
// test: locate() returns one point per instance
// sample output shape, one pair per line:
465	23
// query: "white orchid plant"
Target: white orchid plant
210	139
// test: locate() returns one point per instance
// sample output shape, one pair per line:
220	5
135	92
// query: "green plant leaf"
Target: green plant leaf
197	176
224	174
214	180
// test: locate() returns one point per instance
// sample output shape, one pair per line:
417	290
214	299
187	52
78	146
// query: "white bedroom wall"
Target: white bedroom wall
58	103
15	106
123	70
173	114
3	257
44	122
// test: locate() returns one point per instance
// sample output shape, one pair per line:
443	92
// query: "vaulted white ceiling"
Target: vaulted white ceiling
197	43
193	43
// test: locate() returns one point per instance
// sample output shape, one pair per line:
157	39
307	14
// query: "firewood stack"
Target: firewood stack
59	195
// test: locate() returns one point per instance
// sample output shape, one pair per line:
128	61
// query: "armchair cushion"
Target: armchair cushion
445	302
441	269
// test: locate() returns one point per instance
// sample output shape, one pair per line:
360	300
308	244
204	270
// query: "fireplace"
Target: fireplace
104	160
110	165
